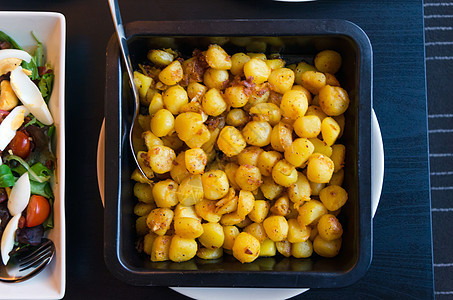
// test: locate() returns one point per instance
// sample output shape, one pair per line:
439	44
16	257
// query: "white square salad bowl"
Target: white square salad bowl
50	29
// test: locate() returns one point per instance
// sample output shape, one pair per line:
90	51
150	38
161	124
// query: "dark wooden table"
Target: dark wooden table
402	260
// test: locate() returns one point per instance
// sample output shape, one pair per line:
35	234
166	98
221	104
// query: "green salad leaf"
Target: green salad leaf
45	85
34	121
41	188
6	38
6	176
38	172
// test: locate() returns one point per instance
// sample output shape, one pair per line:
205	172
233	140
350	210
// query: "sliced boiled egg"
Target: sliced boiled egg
20	195
10	124
11	58
15	53
30	96
8	238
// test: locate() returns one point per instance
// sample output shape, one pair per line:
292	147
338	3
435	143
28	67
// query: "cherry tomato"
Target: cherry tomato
20	145
38	210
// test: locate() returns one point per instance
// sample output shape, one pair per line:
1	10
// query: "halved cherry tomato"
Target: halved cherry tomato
38	210
20	144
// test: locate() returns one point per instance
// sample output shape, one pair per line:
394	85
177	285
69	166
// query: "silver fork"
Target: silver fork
28	262
122	40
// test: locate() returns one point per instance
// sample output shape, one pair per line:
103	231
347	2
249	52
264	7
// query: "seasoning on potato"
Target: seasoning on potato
245	154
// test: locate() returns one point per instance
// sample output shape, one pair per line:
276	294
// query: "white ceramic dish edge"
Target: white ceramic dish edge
377	178
50	29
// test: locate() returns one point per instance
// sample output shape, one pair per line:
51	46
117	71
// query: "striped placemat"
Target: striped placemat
439	73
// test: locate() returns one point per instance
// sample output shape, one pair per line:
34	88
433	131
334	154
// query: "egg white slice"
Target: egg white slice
8	238
30	96
20	195
10	124
15	53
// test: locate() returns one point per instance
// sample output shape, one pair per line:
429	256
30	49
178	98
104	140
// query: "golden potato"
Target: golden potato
182	211
179	171
160	57
257	133
162	123
213	102
294	104
296	232
284	248
314	110
236	96
249	156
281	80
268	248
207	210
276	228
148	241
230	233
248	177
143	209
300	191
333	100
160	159
326	248
333	197
307	126
205	253
301	68
281	136
268	112
281	206
337	178
338	156
330	130
237	117
246	248
230	141
191	190
266	161
328	61
320	168
195	91
171	74
144	192
257	230
257	69
164	193
215	184
195	160
299	151
246	203
151	139
159	220
161	248
329	228
188	228
302	249
217	58
321	147
313	81
182	249
270	189
213	235
310	212
238	61
215	79
284	173
259	211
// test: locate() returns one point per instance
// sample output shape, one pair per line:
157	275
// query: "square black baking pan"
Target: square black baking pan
299	39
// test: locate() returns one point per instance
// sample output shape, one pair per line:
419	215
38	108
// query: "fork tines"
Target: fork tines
35	258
